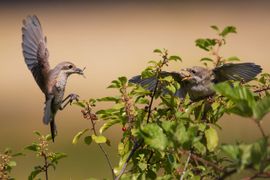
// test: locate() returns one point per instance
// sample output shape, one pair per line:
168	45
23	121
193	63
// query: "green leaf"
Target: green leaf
227	30
115	84
37	133
78	135
261	108
211	138
233	58
88	140
79	103
12	163
157	51
57	156
199	147
205	44
215	28
33	147
231	150
153	136
108	124
113	99
99	139
48	137
207	59
34	174
181	134
123	80
175	58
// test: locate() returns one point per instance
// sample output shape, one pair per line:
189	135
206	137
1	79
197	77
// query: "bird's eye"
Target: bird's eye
70	66
193	71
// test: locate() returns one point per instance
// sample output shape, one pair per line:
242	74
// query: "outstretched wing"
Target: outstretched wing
150	83
35	51
240	72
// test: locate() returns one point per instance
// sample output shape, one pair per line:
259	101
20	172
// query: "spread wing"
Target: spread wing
150	83
240	72
35	51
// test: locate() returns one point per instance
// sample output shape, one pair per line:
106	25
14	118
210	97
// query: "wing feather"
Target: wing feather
35	50
240	72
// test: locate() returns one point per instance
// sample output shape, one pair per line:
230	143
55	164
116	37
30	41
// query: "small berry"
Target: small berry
124	128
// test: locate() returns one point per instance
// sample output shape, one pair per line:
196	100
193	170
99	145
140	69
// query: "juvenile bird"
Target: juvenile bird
52	82
197	81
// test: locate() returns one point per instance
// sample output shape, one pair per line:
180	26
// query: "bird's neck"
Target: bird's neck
61	80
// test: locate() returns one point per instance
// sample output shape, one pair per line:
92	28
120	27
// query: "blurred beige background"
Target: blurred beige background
114	39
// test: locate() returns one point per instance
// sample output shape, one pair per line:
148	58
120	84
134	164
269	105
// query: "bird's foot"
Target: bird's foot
70	98
73	97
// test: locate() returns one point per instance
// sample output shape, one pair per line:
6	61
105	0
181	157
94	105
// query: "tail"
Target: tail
49	116
53	129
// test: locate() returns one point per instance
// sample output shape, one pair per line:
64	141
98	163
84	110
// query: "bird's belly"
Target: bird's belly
200	91
58	98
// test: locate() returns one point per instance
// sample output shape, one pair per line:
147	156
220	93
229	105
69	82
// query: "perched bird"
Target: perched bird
52	82
197	81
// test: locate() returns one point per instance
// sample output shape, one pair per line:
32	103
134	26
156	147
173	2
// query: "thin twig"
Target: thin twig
258	123
133	150
185	168
204	161
261	90
45	167
99	145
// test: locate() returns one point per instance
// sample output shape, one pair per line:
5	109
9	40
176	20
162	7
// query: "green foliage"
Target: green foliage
243	101
41	150
165	137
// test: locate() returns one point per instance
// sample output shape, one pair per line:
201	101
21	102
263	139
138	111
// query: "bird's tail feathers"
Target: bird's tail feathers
53	129
48	116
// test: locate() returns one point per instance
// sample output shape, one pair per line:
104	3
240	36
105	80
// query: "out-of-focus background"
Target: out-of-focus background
113	39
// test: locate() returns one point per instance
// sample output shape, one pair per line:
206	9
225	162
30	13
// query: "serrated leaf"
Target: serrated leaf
78	135
88	140
211	138
99	139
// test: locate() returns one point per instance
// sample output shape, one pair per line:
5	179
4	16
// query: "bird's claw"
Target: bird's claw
73	97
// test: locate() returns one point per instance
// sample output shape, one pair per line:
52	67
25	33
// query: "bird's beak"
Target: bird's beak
79	71
185	74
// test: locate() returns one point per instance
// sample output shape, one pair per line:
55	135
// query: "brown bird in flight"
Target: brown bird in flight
52	82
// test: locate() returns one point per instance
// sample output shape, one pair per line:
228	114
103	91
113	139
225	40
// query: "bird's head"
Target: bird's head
195	74
69	68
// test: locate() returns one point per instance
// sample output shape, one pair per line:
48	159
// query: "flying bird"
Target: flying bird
51	81
197	81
